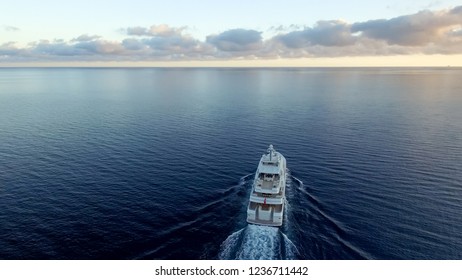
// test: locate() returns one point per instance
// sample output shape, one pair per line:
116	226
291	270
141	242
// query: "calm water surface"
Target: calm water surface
158	163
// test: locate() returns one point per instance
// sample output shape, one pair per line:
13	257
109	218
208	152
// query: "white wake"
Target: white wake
257	243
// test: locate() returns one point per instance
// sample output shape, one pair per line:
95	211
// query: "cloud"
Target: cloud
101	47
161	30
131	44
135	31
324	33
11	28
46	48
457	10
456	33
9	49
425	32
171	44
236	40
85	38
412	30
163	42
58	50
283	28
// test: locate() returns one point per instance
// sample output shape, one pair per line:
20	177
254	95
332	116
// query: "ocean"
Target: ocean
157	163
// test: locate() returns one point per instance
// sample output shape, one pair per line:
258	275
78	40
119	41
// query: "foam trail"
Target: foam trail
287	208
300	182
291	250
244	178
228	246
252	243
259	243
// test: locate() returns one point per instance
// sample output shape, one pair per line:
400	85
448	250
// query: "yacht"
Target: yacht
267	199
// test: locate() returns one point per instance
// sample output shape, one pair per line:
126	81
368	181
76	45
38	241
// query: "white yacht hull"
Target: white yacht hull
267	199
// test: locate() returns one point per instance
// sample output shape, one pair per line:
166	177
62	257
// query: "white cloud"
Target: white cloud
85	38
11	28
161	30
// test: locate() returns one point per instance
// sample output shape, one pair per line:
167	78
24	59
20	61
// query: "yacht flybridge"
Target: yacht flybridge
267	199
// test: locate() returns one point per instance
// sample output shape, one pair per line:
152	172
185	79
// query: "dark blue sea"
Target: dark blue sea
150	163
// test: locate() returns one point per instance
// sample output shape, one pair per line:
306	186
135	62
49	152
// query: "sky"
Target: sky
231	33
